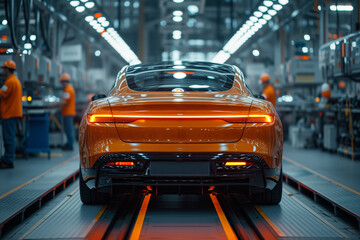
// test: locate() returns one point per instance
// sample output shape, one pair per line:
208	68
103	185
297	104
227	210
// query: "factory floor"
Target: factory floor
333	167
33	168
330	174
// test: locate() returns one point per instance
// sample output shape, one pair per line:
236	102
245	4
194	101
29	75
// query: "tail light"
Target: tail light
120	163
109	118
236	164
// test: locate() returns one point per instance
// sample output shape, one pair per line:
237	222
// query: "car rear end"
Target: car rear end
188	134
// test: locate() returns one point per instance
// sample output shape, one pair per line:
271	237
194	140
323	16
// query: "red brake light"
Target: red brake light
228	164
108	118
120	163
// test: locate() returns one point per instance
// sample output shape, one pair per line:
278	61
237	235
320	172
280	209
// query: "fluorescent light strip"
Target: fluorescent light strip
109	34
249	28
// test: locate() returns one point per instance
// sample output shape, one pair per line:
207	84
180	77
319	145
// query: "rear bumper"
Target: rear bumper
252	178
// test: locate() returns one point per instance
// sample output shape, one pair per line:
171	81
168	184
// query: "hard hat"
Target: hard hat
342	84
325	90
9	64
64	77
264	78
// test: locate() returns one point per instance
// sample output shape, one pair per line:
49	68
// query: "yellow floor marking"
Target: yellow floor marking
316	215
267	219
135	235
230	234
320	175
49	214
100	213
36	178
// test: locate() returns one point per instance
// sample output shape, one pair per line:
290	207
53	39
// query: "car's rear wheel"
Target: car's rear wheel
270	197
91	196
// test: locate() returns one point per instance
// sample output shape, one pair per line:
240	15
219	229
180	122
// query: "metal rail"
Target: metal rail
30	208
245	219
117	222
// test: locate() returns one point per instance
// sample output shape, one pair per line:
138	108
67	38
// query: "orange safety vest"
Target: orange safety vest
68	108
269	94
11	98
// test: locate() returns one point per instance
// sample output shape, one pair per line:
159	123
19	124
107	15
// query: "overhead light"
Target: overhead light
32	37
89	18
97	53
193	9
100	29
27	45
263	9
248	22
177	13
101	19
305	50
178	1
80	9
344	8
268	3
96	26
249	28
4	22
262	21
246	26
283	2
177	19
256	53
93	22
105	24
127	4
221	57
253	19
84	1
176	34
307	37
277	7
272	12
254	28
90	4
267	17
258	14
74	3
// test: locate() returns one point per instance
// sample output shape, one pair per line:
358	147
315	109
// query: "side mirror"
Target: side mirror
259	97
98	96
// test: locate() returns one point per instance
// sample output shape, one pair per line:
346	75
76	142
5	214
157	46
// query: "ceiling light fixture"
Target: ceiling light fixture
90	4
99	23
255	22
268	3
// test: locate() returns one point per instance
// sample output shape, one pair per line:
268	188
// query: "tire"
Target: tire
91	196
270	197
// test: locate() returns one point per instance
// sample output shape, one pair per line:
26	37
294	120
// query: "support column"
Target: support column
324	23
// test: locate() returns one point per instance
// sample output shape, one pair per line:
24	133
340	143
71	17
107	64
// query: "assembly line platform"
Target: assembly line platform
34	182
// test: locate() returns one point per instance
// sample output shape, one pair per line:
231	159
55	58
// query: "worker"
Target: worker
11	111
68	110
342	85
325	91
268	89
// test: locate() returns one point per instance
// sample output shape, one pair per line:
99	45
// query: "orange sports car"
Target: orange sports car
180	127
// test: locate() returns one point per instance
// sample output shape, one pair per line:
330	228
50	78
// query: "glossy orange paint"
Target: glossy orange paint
185	133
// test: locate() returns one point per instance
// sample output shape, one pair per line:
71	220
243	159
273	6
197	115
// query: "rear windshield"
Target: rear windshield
180	78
